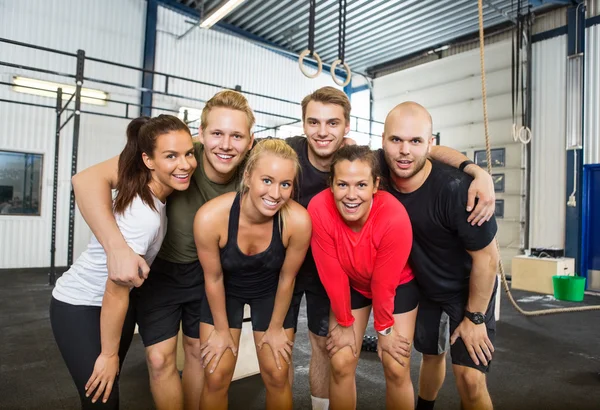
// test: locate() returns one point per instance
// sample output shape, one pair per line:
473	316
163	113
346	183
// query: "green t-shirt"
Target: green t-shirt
178	245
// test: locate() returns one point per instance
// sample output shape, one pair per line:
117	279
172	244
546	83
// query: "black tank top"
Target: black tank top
252	276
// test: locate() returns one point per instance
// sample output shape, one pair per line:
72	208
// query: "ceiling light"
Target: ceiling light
224	9
49	89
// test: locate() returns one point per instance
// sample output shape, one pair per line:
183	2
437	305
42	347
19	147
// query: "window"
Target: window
497	155
499	213
498	182
20	183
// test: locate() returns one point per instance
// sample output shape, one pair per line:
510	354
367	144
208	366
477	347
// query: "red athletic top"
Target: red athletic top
372	261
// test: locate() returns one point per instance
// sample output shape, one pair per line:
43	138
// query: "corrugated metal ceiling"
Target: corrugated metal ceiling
377	31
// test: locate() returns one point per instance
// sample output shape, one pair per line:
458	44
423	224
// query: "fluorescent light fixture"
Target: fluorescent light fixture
224	9
193	114
49	89
574	101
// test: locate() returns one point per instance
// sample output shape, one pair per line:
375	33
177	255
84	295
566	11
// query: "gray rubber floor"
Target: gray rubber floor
550	362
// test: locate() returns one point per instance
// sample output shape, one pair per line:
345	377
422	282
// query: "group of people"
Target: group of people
197	230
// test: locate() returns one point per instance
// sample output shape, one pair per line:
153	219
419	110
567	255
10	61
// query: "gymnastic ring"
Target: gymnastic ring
348	77
319	63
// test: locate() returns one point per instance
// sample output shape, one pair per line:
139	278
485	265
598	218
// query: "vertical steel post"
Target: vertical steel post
76	126
52	274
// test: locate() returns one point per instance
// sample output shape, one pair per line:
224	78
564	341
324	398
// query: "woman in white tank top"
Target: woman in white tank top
90	315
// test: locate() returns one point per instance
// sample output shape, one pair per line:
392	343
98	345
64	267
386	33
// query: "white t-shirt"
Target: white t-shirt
143	229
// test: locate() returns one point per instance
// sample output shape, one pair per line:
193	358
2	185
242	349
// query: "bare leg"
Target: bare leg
472	388
342	384
318	373
216	384
431	376
399	388
164	377
279	389
193	374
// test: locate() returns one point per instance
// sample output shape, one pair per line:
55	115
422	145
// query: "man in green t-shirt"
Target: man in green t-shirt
172	293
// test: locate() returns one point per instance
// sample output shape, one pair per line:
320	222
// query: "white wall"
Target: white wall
111	30
548	156
450	88
226	60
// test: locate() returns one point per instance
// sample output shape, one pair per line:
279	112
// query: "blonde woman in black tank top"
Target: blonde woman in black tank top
251	245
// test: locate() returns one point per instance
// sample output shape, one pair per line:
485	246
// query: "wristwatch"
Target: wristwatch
475	317
385	332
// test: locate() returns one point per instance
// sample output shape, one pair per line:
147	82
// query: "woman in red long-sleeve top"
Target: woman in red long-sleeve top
361	241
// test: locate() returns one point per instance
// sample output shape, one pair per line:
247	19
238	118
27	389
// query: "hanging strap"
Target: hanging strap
342	30
311	26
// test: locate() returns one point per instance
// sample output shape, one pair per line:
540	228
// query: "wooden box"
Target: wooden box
535	274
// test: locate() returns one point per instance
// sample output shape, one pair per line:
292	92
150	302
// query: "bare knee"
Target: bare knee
343	364
318	345
218	380
471	383
191	348
275	378
396	374
160	363
434	360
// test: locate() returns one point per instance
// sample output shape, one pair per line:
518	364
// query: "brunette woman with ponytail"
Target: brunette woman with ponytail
90	316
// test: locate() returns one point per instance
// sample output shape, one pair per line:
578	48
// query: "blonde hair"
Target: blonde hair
328	95
280	149
228	99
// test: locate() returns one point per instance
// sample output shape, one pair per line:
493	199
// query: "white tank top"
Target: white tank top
143	229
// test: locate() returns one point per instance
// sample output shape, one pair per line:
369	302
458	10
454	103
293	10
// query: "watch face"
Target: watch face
475	317
478	318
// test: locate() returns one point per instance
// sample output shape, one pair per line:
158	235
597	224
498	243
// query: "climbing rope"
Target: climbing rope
489	169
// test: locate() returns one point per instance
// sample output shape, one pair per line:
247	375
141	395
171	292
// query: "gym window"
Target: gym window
497	155
499	212
498	182
20	183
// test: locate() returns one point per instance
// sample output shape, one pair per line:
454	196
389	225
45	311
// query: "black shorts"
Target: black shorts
407	298
172	294
437	321
317	301
261	310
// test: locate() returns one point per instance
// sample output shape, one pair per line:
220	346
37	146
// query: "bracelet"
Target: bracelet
464	164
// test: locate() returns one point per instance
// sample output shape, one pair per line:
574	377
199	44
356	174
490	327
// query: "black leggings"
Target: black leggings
77	333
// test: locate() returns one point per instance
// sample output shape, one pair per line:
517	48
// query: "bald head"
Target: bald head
409	116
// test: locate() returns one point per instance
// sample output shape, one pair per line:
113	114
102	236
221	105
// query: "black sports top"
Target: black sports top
253	276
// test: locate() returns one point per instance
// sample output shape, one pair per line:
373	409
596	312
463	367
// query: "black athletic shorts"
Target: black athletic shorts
437	321
261	310
172	294
317	301
407	298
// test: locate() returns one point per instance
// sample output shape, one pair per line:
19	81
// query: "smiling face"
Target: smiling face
226	140
172	162
325	127
270	183
353	188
